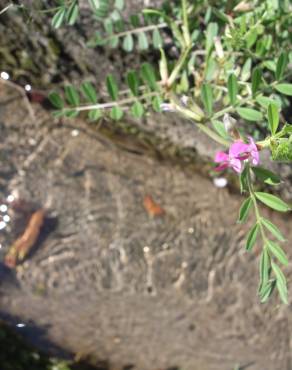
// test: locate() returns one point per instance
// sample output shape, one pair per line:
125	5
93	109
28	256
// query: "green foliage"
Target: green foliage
214	64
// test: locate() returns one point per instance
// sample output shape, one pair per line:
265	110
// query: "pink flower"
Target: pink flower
254	153
238	152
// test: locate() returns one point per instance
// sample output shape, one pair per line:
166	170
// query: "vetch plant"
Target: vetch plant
230	74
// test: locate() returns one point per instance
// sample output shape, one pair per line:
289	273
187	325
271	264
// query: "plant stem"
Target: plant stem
185	27
256	208
111	104
179	66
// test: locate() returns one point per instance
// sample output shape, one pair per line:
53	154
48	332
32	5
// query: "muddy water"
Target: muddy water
110	280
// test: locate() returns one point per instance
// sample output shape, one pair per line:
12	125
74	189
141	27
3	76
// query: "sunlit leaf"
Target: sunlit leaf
252	237
137	109
157	39
128	43
249	114
72	13
94	114
59	18
285	89
278	252
244	210
272	201
281	283
142	41
116	113
273	229
273	118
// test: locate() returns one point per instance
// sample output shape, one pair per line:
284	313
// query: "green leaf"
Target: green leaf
72	95
113	41
71	113
265	262
116	113
128	43
243	180
220	129
220	15
267	291
56	100
256	80
270	64
133	82
273	229
137	109
249	114
207	98
112	87
281	65
273	118
72	13
148	75
94	114
94	4
156	103
59	18
119	4
278	252
142	41
285	89
272	201
232	88
264	101
89	92
157	39
212	31
266	176
281	283
245	72
252	237
244	210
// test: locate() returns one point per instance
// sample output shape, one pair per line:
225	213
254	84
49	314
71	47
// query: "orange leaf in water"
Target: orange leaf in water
152	207
21	247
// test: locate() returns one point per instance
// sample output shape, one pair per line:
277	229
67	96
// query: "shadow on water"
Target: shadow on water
34	335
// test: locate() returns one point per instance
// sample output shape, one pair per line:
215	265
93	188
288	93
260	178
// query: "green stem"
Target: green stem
256	208
185	27
179	66
111	104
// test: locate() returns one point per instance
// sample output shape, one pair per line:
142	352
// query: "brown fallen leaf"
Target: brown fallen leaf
21	247
152	207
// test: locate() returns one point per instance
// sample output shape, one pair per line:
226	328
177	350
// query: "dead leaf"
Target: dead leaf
20	249
152	208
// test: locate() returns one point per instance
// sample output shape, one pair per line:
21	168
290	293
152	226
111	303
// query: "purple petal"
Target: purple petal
236	165
238	148
221	167
254	153
221	157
